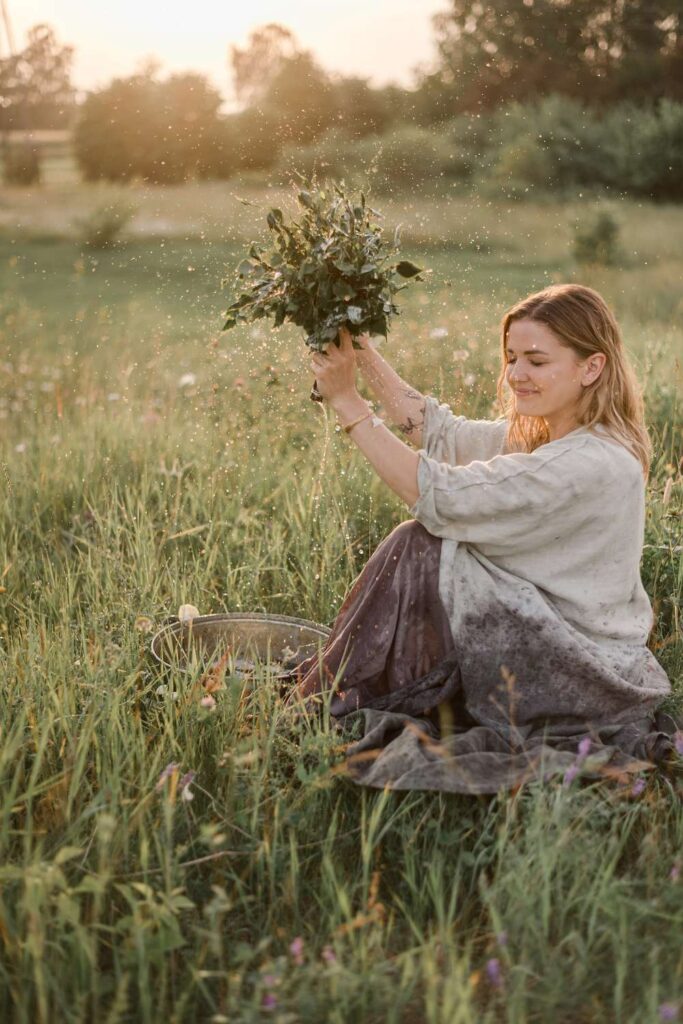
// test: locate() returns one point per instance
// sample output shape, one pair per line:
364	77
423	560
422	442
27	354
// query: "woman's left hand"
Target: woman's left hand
335	370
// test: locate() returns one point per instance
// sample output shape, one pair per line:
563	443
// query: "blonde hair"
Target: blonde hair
581	320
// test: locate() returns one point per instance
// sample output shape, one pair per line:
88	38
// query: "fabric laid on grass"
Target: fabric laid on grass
420	752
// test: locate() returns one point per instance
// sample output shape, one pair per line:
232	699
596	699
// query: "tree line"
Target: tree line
595	58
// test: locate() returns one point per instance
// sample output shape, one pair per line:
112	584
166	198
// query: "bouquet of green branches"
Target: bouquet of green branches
331	268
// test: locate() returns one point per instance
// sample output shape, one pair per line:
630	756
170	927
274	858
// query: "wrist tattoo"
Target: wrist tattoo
411	393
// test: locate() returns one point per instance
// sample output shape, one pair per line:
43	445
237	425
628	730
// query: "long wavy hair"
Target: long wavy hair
581	320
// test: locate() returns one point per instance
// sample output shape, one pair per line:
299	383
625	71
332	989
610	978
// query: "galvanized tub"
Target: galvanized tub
249	638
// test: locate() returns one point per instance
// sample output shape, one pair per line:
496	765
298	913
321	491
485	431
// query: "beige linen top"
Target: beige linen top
542	548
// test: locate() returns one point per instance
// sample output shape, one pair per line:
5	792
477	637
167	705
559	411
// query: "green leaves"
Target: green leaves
328	269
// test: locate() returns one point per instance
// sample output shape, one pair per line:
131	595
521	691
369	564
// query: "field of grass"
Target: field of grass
148	460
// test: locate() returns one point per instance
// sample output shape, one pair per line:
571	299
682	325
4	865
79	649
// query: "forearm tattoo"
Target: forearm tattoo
411	425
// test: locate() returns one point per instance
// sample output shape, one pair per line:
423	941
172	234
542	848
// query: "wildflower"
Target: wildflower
168	771
582	753
668	1011
20	448
502	939
113	396
186	781
678	742
675	872
143	624
188	380
494	973
187	612
438	332
269	1001
584	748
328	955
296	949
208	702
638	787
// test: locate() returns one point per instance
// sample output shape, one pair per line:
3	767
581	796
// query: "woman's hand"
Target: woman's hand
335	370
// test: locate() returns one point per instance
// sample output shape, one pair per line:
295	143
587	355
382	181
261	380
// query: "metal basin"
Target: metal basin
249	638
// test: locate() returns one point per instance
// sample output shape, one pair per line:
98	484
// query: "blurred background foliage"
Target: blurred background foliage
524	97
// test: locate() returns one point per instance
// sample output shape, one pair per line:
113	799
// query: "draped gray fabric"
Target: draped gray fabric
433	719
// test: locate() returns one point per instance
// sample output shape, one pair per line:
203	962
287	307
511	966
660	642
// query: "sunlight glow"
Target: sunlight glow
382	40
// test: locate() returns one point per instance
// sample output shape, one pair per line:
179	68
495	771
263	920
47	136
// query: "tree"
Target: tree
255	67
299	100
361	110
35	84
596	50
160	131
288	96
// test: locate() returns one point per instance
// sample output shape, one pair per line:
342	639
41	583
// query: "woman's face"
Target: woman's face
545	376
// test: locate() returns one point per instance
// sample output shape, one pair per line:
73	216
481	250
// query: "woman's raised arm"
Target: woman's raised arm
405	407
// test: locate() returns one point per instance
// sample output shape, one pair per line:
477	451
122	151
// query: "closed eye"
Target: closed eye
512	361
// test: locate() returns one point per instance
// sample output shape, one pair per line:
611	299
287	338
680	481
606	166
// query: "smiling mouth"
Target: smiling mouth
520	391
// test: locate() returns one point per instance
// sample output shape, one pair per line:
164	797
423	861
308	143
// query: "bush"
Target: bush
598	241
642	149
100	228
408	157
161	131
22	165
253	138
558	145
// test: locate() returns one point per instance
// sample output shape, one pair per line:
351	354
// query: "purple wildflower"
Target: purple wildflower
168	771
584	749
296	949
678	742
269	1001
638	787
329	955
570	774
675	872
494	973
502	939
668	1011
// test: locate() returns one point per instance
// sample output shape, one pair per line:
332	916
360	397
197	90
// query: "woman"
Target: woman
514	597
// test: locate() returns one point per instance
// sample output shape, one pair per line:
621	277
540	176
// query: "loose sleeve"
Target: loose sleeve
458	440
512	502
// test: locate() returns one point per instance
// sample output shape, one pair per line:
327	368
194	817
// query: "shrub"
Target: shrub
100	228
22	165
556	142
598	241
160	131
642	149
408	157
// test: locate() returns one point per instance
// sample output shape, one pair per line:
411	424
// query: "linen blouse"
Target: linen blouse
540	564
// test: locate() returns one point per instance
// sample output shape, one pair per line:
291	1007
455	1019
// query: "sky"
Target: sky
382	40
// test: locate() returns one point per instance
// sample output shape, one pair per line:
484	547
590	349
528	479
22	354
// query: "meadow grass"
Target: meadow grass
149	460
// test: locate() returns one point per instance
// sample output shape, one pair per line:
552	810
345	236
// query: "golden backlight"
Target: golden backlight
382	40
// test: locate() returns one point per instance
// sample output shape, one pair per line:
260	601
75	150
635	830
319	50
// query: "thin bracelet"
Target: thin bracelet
349	426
